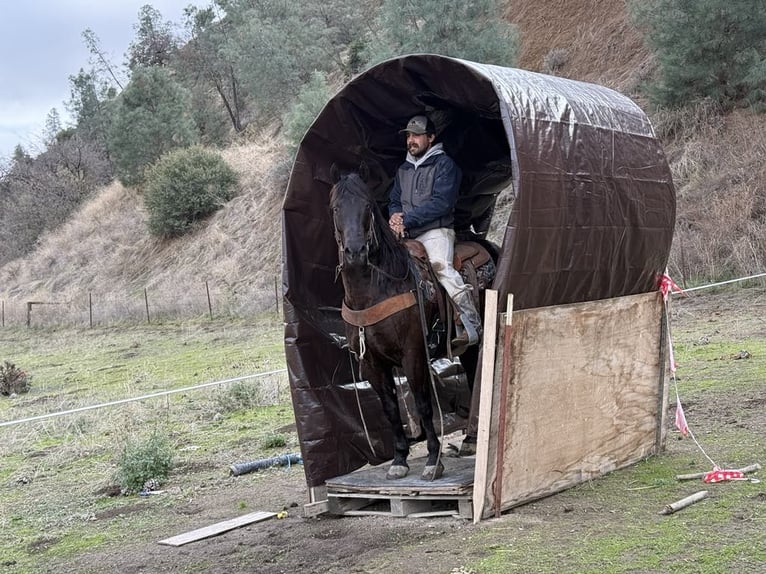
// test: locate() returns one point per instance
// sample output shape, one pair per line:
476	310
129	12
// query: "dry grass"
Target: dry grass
105	250
600	43
718	164
719	169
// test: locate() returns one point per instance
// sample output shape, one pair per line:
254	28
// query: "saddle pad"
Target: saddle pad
464	251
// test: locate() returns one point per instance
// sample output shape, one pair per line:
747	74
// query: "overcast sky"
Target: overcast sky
41	46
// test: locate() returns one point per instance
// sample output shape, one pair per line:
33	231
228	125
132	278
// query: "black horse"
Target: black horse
385	315
375	268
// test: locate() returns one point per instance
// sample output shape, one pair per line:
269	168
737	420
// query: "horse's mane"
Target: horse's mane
392	256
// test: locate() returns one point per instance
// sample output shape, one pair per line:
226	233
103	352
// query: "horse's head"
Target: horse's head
354	218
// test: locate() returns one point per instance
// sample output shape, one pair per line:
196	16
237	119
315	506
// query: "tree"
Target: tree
100	60
275	49
714	49
306	108
151	118
52	127
155	43
472	30
204	66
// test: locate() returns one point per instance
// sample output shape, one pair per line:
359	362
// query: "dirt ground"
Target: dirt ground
438	545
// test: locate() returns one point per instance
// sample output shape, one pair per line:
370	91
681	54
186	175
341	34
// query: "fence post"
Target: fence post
90	308
146	303
276	293
2	312
209	304
29	313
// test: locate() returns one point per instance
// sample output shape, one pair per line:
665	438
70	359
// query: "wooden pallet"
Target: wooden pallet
368	492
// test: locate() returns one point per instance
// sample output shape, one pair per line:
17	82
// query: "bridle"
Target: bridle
372	243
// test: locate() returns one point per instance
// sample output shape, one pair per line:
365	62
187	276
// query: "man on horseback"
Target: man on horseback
422	206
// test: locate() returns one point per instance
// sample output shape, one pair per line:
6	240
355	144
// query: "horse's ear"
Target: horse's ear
364	171
335	173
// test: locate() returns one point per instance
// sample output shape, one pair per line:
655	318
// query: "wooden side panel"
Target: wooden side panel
585	396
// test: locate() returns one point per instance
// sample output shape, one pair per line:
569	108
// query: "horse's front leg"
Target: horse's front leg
382	380
417	372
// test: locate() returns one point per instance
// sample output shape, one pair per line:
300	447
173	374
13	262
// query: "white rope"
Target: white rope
670	346
724	283
671	359
141	398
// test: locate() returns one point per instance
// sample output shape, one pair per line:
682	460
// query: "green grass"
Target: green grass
613	526
55	469
607	526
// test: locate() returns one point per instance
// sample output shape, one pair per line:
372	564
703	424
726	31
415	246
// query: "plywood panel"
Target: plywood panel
585	396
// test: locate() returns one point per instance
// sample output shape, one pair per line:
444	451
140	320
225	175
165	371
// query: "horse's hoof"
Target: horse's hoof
432	472
467	449
397	471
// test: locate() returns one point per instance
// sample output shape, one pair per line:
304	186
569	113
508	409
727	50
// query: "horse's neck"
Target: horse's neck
365	287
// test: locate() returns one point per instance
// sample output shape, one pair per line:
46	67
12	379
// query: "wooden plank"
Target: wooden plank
346	505
584	394
457	479
218	528
356	504
465	509
315	508
405	507
502	405
485	403
662	407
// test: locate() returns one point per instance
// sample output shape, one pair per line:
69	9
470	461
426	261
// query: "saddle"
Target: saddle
472	260
469	257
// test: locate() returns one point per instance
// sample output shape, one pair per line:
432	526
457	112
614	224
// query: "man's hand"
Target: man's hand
396	223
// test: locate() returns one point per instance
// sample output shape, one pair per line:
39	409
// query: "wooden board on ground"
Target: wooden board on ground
369	492
218	528
585	397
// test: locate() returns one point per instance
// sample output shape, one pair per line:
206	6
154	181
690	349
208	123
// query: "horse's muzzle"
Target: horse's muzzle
353	256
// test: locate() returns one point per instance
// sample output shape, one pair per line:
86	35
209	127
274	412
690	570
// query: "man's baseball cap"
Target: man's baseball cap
419	125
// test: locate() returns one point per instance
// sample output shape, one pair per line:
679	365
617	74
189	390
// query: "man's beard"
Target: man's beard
416	154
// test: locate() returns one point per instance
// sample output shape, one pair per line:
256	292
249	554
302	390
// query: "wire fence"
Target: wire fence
91	309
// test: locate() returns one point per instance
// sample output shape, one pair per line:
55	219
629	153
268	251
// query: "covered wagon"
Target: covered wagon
575	171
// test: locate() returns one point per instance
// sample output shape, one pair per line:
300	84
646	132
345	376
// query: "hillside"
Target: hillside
105	248
597	42
718	162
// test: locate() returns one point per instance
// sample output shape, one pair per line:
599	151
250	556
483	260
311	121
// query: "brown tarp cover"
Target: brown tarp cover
592	215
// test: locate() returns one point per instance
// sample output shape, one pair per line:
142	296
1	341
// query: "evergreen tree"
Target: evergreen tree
472	30
205	69
52	126
155	41
275	49
306	108
151	118
712	49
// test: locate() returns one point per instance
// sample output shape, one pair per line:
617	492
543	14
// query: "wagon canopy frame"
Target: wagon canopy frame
592	214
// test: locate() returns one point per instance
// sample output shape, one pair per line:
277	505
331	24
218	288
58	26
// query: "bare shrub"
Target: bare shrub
720	174
687	122
555	60
13	380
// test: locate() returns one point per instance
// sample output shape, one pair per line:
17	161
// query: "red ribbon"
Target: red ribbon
667	286
719	475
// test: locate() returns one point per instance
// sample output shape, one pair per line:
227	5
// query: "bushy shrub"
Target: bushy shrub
13	380
185	186
240	396
142	461
310	101
274	440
